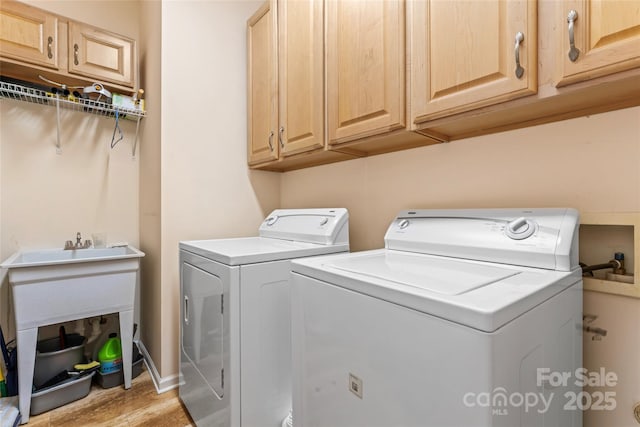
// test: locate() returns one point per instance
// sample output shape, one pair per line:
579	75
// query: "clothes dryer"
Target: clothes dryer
463	319
235	345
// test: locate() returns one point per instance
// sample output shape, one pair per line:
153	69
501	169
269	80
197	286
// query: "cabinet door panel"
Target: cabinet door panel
28	34
365	68
301	75
607	34
262	75
101	55
464	54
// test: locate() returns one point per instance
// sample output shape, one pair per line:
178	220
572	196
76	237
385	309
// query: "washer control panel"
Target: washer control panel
539	237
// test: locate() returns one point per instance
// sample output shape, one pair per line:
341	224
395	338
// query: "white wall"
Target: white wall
48	197
150	52
618	352
207	191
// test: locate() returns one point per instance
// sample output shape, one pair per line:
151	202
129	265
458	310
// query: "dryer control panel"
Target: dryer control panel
323	226
540	237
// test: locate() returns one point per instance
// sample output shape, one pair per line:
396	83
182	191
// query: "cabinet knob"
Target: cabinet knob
50	47
573	50
519	69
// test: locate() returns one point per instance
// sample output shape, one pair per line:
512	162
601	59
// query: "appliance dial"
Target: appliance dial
403	224
323	221
520	228
271	220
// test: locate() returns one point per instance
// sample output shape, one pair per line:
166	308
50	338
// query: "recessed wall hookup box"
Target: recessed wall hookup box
603	238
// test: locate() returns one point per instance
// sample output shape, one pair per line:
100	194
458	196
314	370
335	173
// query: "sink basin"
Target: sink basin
56	285
59	256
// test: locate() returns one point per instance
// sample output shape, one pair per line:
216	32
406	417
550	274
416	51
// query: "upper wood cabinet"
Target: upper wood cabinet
34	42
300	76
604	76
286	99
469	54
100	54
28	34
402	74
262	81
605	35
341	87
365	50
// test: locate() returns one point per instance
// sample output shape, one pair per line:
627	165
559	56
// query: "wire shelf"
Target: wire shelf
37	96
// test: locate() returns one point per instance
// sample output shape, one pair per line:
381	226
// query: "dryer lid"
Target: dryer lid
321	226
440	275
250	250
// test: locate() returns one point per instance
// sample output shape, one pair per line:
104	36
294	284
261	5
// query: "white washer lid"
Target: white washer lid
441	275
250	250
501	293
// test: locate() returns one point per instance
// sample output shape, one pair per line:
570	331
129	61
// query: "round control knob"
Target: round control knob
403	224
520	228
271	220
323	221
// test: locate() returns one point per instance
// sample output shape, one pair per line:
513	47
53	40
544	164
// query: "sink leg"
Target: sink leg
26	342
126	339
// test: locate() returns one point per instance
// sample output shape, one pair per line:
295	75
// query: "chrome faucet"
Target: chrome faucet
78	245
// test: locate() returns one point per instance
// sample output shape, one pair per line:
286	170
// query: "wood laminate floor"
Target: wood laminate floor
141	405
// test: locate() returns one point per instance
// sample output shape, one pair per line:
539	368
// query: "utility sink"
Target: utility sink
57	285
61	256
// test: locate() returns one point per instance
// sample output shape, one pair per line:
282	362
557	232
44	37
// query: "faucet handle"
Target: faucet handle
68	245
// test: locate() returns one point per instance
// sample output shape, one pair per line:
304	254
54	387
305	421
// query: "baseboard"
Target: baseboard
162	384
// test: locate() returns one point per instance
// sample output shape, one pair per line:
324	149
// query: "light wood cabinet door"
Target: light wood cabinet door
301	76
262	76
101	55
464	54
28	34
365	51
606	35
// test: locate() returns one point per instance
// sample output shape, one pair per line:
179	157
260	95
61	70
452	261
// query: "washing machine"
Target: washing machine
465	318
235	343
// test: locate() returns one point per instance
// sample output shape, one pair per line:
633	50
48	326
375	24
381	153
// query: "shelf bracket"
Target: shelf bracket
58	146
135	140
